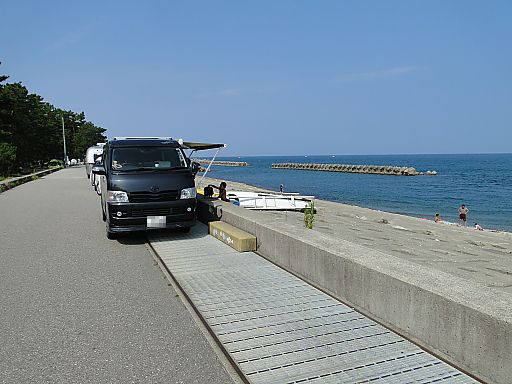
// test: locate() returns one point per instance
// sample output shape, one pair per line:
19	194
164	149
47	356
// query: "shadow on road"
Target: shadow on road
131	238
139	238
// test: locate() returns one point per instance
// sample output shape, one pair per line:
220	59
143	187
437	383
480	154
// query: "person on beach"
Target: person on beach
222	190
478	227
438	219
463	214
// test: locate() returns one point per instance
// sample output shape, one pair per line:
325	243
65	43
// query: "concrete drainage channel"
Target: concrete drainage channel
278	329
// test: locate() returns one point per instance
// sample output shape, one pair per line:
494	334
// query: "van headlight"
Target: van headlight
117	196
188	193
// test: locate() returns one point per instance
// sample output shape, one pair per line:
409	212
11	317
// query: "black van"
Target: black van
146	183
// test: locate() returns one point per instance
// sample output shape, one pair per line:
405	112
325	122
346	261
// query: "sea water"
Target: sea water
483	182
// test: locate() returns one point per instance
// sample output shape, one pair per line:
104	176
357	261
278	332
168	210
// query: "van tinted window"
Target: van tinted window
151	158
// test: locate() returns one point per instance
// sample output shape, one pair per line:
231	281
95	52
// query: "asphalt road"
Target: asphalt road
78	308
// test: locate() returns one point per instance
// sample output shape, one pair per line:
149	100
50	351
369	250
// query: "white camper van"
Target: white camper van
95	180
91	155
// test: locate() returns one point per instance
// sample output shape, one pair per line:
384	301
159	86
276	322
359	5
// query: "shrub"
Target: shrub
55	163
309	215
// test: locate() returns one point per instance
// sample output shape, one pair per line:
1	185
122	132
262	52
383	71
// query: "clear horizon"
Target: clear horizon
285	77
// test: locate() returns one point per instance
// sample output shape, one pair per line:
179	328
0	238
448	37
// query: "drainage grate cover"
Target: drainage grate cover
279	329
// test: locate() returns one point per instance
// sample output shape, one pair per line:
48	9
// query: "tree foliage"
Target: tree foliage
31	130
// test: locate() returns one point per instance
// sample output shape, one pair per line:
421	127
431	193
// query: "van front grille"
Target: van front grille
155	212
148	197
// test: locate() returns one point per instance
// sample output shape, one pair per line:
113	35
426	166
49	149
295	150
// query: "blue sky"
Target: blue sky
275	77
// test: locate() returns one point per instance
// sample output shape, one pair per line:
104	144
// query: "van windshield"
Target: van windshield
147	158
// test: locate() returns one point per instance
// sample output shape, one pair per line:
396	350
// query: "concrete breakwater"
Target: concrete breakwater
373	169
223	163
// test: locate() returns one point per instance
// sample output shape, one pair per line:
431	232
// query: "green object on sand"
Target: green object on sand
309	215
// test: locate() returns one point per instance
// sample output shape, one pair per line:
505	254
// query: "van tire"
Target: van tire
110	235
184	229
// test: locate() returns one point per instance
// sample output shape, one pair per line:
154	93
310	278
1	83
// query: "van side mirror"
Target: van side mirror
98	170
194	167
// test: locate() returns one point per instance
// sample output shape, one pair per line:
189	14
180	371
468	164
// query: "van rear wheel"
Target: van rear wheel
184	229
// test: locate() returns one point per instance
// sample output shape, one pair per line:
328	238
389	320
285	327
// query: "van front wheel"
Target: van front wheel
110	235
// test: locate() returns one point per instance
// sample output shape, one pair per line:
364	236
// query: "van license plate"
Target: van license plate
156	221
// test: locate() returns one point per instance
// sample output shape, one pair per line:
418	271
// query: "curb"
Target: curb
15	181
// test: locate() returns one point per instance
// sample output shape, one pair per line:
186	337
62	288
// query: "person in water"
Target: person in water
222	190
438	219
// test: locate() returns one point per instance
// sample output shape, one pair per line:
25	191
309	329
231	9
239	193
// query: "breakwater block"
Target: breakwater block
352	168
232	236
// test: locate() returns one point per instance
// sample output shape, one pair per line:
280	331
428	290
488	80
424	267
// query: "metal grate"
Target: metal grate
279	329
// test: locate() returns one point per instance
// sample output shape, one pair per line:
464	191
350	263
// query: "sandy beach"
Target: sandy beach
481	256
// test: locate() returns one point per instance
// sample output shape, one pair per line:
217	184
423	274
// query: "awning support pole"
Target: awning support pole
208	168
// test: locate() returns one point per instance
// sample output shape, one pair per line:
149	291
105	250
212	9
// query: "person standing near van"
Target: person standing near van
463	214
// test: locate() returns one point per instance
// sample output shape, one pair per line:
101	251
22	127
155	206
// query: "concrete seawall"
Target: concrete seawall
371	169
463	322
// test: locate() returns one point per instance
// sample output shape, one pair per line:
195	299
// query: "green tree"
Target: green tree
88	134
7	149
31	129
3	77
7	158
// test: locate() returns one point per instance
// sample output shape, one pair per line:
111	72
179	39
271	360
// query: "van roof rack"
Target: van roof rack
142	138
